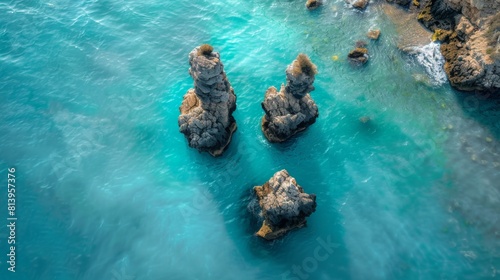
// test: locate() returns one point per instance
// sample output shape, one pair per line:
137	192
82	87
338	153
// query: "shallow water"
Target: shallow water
108	188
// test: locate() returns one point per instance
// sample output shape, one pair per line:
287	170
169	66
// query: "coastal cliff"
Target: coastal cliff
470	34
206	112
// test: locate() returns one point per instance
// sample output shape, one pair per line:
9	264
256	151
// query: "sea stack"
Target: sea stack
292	109
283	205
206	112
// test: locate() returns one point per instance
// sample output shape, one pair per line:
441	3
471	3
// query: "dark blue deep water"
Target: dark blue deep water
107	187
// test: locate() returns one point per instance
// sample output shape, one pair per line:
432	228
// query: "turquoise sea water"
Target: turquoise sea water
107	187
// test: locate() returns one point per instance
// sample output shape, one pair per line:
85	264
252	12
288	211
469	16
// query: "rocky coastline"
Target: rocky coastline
469	32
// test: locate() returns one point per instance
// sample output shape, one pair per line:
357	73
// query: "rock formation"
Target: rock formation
206	111
470	35
283	205
358	56
292	109
313	4
373	34
360	4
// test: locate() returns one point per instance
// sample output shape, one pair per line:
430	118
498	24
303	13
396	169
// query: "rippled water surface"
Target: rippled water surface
108	188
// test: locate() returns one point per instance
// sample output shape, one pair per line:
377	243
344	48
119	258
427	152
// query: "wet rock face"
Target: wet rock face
284	205
206	111
292	109
313	4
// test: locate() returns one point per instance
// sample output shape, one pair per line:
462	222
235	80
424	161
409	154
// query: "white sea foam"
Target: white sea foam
431	58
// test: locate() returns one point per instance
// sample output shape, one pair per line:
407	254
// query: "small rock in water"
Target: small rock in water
206	117
373	34
358	55
313	4
360	4
284	205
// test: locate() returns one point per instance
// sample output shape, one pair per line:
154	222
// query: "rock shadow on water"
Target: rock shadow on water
483	107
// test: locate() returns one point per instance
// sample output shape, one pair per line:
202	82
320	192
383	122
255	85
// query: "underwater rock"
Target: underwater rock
358	55
284	205
292	109
206	112
360	4
373	34
313	4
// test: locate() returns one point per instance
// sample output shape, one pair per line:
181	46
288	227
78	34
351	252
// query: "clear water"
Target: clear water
109	189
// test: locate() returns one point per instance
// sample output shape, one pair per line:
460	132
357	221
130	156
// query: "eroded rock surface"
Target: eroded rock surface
470	35
206	111
292	109
283	205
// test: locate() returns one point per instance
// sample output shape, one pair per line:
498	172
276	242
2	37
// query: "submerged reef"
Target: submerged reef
469	32
292	109
206	112
283	205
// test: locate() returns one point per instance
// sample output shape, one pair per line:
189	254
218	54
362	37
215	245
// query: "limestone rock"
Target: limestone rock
292	109
283	205
313	4
358	55
206	111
